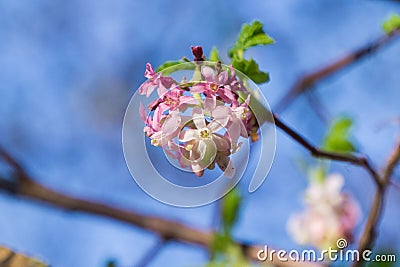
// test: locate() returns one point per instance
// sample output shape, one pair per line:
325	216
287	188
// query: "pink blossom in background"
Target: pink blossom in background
328	216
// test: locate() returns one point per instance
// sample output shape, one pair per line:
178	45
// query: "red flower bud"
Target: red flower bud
197	51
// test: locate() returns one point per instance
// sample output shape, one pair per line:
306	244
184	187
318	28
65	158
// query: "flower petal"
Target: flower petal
208	73
222	77
172	123
221	143
147	88
156	119
221	115
198	118
167	81
198	88
188	100
142	112
188	135
161	90
149	73
210	103
196	167
234	130
208	151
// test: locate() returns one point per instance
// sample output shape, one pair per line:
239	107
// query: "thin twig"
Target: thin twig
369	234
316	152
307	81
320	110
394	159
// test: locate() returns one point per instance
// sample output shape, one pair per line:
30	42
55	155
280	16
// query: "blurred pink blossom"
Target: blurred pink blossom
329	215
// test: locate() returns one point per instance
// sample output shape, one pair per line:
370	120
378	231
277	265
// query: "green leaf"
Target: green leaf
168	64
337	139
230	208
111	263
317	174
251	69
214	55
220	243
169	67
232	256
250	35
391	24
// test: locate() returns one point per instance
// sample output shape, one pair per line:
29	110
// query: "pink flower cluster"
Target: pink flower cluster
198	123
330	215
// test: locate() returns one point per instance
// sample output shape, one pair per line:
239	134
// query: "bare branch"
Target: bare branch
307	81
316	152
164	228
10	258
391	164
370	233
320	110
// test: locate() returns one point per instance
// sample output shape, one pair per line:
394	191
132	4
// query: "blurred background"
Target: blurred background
69	68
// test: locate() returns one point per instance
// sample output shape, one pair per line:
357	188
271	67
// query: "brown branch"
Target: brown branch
166	229
391	164
307	81
369	234
10	258
318	153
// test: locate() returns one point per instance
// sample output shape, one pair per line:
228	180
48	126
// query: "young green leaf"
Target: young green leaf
214	55
251	69
250	35
220	242
230	208
232	256
391	24
169	67
337	139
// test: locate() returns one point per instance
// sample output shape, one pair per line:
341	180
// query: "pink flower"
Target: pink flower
234	83
215	85
172	100
204	142
161	134
208	133
329	215
239	121
155	80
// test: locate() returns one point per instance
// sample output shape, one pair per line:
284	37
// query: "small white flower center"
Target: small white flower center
189	147
244	113
155	142
204	133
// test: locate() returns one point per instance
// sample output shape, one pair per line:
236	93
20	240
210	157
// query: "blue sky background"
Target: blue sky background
69	68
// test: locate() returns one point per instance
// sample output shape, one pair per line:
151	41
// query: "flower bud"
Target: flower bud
197	51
